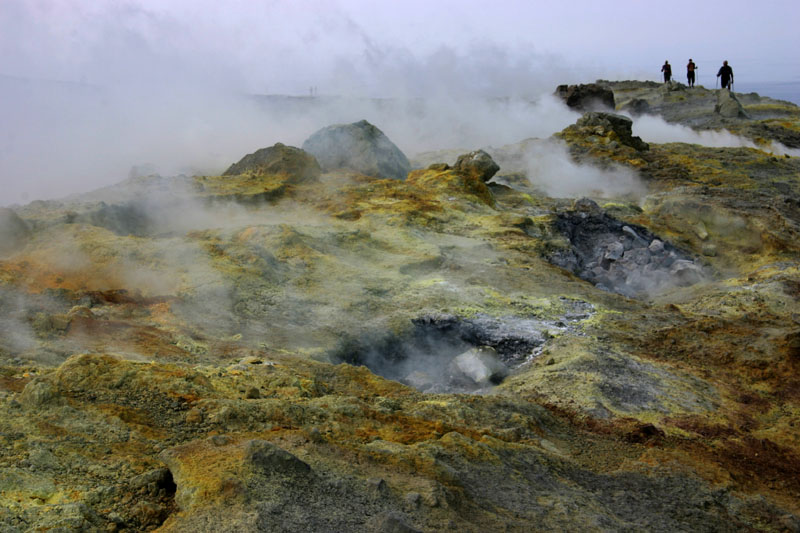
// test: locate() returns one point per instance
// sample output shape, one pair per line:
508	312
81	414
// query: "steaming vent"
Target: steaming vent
449	354
619	257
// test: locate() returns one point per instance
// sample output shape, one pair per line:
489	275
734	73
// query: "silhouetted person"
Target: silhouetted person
690	68
725	75
667	70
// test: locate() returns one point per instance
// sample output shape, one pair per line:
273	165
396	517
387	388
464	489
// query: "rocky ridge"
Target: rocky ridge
280	350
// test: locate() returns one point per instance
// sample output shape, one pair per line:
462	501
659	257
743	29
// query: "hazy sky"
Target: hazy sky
89	88
380	46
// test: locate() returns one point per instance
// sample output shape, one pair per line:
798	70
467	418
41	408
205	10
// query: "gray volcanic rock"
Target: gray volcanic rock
699	107
123	219
774	131
360	147
14	231
586	97
636	106
478	164
671	87
278	159
621	258
728	105
622	126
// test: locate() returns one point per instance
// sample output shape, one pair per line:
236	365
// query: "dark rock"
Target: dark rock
160	478
620	257
477	164
512	338
293	162
586	97
412	501
424	356
268	459
360	147
122	219
775	131
14	232
39	393
586	205
621	125
728	105
377	487
637	106
671	87
149	514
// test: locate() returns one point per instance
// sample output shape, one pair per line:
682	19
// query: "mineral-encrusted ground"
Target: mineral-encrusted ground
174	351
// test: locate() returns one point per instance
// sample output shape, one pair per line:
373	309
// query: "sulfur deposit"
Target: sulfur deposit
314	342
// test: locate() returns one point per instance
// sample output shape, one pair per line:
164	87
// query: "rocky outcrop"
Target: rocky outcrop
296	164
586	97
766	119
467	179
672	87
636	106
360	147
621	126
14	232
477	164
728	105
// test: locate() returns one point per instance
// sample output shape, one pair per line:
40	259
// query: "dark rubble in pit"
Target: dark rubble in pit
445	353
620	257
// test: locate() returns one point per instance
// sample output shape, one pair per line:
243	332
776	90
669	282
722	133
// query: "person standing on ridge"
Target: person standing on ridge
725	75
690	68
667	70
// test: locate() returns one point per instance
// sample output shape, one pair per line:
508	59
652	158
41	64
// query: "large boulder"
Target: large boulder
728	105
294	163
360	147
622	126
14	231
586	97
477	164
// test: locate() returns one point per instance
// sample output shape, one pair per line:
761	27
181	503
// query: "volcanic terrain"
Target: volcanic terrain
338	337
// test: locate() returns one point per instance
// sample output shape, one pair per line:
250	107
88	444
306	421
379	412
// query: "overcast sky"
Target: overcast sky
89	88
380	46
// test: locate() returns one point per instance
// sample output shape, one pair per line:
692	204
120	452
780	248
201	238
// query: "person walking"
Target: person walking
667	70
690	68
725	75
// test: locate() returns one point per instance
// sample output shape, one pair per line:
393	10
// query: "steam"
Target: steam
90	90
94	136
657	130
551	169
